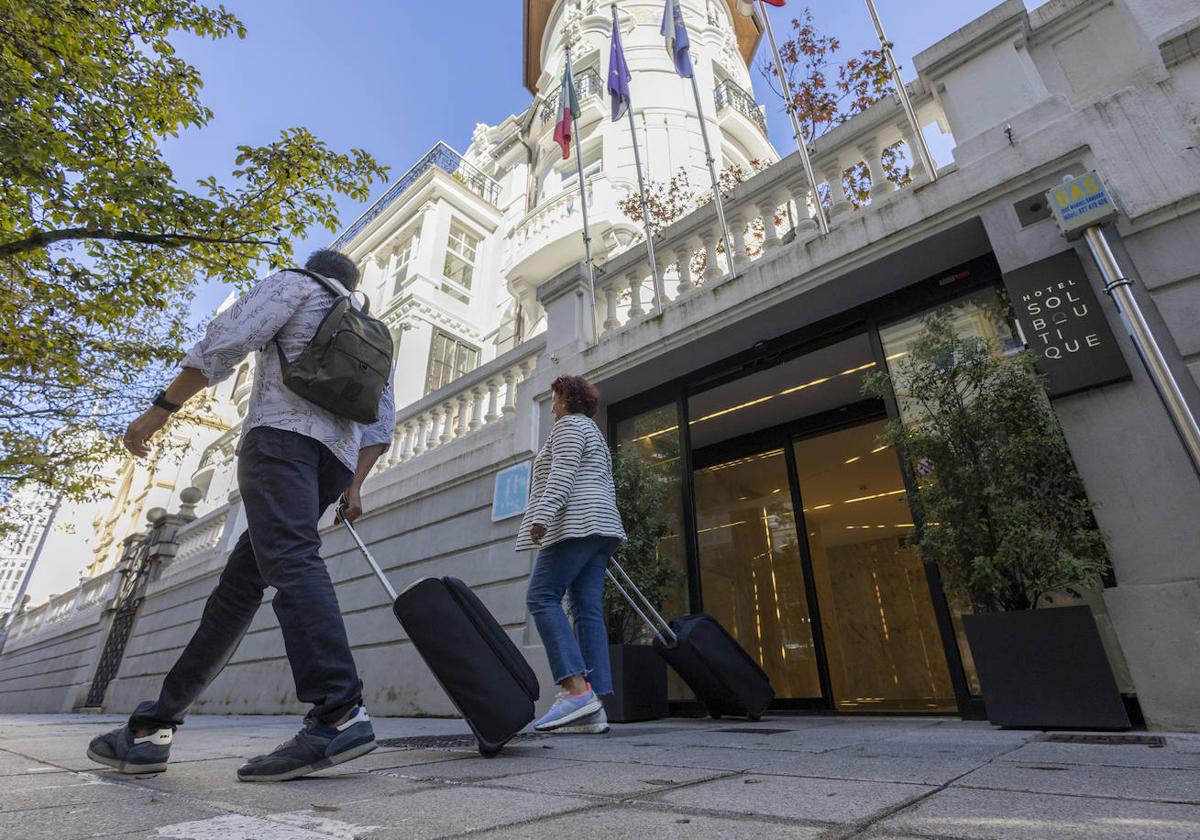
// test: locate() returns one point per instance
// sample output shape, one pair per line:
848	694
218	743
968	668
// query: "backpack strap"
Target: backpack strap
324	281
338	291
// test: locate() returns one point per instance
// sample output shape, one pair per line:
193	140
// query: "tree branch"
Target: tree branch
42	239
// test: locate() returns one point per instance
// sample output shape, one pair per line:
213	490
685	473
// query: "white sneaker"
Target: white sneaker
594	724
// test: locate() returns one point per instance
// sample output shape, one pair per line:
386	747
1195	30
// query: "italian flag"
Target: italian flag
569	105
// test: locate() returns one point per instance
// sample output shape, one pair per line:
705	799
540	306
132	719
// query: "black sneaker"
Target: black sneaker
130	754
315	747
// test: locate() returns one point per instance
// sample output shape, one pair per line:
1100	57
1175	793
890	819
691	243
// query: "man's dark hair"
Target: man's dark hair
336	265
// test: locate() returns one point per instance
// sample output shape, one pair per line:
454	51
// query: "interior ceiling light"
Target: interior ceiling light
875	496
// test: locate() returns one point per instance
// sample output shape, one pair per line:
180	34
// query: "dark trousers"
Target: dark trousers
287	480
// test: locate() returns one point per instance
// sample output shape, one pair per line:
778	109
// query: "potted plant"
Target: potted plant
1007	524
639	673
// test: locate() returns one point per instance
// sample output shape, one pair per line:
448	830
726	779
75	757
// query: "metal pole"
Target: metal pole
28	575
659	291
587	236
801	145
922	150
1118	287
708	157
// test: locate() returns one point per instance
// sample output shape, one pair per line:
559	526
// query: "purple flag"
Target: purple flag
618	75
675	32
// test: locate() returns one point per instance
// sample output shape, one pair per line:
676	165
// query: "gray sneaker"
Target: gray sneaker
594	724
130	754
315	747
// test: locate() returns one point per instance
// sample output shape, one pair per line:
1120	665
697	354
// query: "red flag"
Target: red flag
568	106
746	7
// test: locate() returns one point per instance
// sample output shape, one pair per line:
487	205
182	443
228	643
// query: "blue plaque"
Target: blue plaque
512	491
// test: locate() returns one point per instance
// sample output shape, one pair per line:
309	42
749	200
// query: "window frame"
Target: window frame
454	364
450	284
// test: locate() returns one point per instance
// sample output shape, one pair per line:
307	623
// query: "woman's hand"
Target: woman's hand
536	533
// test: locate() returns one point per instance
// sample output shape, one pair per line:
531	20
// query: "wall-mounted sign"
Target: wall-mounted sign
1079	203
1064	325
512	491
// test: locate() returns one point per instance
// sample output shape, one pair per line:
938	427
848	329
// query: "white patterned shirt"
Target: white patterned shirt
287	306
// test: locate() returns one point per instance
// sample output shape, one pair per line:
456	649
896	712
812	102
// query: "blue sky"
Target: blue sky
395	76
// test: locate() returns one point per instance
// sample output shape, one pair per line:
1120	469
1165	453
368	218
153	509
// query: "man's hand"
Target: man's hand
536	532
142	429
351	505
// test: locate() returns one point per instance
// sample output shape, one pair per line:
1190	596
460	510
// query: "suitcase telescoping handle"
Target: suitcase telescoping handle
391	590
662	630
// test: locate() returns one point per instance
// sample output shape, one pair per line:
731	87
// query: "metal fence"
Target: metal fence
444	158
729	95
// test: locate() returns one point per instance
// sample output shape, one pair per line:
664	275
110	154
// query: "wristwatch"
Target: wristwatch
160	400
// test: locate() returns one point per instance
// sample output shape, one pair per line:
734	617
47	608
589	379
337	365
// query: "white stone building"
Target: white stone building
452	254
742	385
29	509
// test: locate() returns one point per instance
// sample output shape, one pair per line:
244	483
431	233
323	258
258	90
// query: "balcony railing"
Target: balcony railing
729	95
587	83
444	158
771	210
476	399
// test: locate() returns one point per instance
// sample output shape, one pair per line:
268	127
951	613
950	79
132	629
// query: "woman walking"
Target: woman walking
572	517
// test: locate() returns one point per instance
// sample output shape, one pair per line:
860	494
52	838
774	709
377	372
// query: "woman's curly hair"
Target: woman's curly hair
580	395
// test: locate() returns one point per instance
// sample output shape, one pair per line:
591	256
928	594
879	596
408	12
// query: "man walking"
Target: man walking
294	460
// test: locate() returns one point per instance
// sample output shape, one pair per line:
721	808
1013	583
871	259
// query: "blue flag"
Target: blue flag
618	76
675	32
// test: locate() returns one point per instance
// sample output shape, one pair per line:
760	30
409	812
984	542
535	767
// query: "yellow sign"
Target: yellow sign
1080	203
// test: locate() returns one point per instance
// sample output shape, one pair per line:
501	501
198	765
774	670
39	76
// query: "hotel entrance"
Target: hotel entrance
802	558
790	514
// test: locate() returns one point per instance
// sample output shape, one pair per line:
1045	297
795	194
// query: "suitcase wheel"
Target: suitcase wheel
489	752
754	718
715	715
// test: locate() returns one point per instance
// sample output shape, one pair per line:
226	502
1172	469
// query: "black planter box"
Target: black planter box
639	684
1045	669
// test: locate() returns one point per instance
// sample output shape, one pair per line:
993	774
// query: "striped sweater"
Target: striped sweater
572	493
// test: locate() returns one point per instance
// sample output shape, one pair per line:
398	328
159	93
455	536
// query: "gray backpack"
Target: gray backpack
346	365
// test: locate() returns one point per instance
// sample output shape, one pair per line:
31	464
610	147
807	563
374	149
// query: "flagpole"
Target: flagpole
713	174
659	291
801	145
922	148
587	237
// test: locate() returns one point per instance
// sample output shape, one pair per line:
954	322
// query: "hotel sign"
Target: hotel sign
511	492
1064	326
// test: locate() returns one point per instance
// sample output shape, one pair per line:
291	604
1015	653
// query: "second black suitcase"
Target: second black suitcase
726	680
476	663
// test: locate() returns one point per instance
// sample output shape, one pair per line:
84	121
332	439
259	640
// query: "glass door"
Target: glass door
751	568
882	643
769	571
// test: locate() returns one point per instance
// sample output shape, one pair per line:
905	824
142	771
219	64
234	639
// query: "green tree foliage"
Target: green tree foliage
99	245
641	499
1008	523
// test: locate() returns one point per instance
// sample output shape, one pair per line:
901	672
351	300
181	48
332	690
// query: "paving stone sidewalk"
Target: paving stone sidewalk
783	777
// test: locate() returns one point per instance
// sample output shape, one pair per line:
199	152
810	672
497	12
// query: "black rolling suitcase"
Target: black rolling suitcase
473	659
726	680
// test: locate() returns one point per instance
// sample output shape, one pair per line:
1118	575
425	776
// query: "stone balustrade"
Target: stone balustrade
774	207
546	221
484	396
201	535
91	594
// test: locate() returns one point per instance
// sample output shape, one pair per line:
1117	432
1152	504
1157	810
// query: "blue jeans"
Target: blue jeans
575	568
287	480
